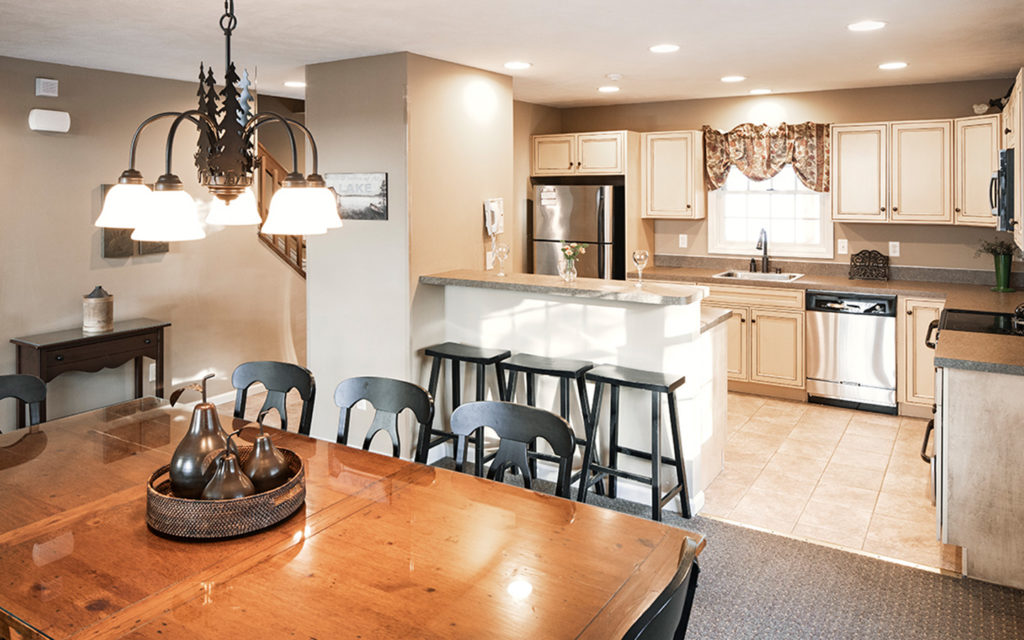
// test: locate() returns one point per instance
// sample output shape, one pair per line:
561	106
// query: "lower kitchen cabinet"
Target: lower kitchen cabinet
766	333
915	362
777	347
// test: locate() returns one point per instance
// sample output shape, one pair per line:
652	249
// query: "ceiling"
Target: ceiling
785	45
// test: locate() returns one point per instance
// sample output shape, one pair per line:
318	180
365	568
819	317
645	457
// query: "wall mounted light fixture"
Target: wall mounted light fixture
226	160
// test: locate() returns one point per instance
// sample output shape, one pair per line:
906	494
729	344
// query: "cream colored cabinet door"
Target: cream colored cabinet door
915	372
1018	162
777	347
737	341
554	155
920	181
859	170
976	158
671	168
1009	124
601	153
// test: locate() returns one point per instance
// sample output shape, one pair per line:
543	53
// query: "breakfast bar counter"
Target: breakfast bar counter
655	327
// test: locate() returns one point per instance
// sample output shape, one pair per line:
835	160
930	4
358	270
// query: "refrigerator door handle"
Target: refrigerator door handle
600	219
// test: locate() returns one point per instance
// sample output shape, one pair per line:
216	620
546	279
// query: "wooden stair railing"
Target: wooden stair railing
291	249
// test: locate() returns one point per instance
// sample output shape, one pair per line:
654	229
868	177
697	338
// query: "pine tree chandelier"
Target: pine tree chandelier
226	162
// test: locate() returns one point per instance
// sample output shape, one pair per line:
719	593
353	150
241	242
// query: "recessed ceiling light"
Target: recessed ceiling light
889	66
665	48
295	84
608	89
516	65
733	78
866	25
759	92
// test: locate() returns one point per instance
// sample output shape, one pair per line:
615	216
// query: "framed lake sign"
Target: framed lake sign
361	196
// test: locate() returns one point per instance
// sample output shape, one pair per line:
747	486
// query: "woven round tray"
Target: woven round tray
206	519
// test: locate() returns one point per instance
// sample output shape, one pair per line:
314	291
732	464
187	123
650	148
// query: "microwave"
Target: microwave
1000	191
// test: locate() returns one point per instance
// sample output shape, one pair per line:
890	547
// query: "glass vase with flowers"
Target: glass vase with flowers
571	253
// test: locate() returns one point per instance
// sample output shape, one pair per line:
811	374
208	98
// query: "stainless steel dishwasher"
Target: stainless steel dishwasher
851	350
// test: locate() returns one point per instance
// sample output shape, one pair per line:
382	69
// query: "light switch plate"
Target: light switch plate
152	372
842	246
894	249
489	260
684	240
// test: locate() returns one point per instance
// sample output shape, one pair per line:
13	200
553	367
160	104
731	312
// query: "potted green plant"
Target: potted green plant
1002	251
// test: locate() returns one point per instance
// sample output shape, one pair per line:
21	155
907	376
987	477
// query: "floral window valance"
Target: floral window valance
760	151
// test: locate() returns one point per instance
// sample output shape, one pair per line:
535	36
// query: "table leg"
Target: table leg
138	376
159	391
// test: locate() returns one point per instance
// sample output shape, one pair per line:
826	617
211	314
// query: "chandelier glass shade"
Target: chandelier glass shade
226	162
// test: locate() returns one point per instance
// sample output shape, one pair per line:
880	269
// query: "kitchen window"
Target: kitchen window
796	218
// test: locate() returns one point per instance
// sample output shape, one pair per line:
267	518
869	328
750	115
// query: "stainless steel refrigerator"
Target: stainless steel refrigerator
578	213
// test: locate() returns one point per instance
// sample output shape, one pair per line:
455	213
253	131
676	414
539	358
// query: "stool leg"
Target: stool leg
684	494
481	392
588	454
510	389
655	456
588	429
531	399
423	446
613	436
456	368
481	382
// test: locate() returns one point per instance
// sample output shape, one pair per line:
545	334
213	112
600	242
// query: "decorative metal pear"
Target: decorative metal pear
266	466
191	464
228	481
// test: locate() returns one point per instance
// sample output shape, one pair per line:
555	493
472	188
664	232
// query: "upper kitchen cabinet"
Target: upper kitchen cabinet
569	154
671	172
859	163
975	159
893	172
920	182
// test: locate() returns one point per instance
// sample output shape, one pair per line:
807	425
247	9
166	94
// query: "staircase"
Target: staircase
291	249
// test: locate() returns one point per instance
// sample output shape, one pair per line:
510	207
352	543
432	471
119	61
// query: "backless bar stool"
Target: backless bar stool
456	354
566	371
657	383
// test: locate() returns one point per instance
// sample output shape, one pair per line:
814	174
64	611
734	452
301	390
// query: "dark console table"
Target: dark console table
48	355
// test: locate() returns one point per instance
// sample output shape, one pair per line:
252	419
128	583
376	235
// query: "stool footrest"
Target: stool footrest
636	453
599	471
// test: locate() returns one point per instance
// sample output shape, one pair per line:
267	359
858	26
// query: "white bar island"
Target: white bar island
657	327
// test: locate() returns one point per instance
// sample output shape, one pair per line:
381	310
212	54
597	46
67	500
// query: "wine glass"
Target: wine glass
640	257
501	255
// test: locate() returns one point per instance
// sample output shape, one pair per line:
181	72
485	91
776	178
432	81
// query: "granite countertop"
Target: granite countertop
980	352
957	296
660	293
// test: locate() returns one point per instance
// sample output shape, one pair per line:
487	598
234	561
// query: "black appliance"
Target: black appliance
1000	191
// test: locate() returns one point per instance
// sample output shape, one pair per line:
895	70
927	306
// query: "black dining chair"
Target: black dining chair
669	614
28	389
389	398
279	378
517	426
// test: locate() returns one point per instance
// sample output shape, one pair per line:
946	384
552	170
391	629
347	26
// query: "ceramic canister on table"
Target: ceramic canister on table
97	311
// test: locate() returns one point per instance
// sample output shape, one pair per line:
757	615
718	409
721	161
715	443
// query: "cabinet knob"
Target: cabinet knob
1006	130
957	210
579	164
148	340
59	358
910	312
742	319
687	206
883	209
894	209
753	320
570	166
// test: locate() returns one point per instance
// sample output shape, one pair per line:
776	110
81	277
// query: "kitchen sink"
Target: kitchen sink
763	277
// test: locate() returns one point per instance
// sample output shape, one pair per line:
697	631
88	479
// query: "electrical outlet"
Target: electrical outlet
894	249
842	248
684	240
152	372
490	260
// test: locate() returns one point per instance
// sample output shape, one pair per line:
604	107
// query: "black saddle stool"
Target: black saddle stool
566	371
657	383
456	354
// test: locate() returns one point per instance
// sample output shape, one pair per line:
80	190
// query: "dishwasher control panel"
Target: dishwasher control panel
855	303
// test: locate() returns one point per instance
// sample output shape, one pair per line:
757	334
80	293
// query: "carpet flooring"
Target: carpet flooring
759	585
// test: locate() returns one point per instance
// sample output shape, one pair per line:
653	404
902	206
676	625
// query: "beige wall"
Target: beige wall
530	119
358	284
443	132
229	300
921	245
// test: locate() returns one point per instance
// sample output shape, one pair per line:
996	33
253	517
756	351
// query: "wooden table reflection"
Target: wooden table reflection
383	548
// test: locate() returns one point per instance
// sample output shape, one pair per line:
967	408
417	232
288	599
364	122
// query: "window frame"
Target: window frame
717	245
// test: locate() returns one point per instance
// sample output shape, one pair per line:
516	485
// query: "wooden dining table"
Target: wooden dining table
382	547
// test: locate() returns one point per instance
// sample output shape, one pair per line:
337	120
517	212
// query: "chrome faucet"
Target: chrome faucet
762	246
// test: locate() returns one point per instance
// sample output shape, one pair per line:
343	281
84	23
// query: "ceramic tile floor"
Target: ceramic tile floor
849	478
